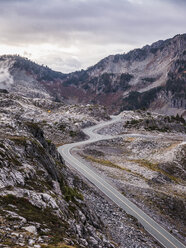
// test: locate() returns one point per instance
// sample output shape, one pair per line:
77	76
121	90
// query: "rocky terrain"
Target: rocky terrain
60	122
142	121
152	77
42	202
146	162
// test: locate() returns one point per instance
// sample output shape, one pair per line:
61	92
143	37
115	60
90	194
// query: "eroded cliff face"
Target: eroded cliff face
40	198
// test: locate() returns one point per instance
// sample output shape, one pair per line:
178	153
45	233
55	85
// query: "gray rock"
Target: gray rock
84	242
31	229
31	242
93	241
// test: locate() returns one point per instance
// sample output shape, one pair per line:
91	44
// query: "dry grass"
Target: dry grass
154	167
103	162
172	146
112	165
58	246
59	144
130	139
167	148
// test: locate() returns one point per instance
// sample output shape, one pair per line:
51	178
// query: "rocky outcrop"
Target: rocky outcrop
40	198
60	122
147	163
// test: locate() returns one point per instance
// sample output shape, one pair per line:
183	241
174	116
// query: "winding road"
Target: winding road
152	227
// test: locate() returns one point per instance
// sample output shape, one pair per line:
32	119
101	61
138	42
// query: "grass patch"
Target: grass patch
2	146
156	128
58	246
133	122
59	144
73	133
39	146
12	158
73	193
154	167
62	127
2	154
61	165
19	140
70	194
49	142
38	185
14	161
130	139
103	162
145	163
172	146
32	125
112	165
34	214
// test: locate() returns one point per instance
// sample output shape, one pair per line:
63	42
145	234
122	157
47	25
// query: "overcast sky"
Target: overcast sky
69	35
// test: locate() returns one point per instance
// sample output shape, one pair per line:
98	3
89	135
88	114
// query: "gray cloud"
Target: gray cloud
176	1
89	24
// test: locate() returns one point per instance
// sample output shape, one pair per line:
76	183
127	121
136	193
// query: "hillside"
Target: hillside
152	77
44	203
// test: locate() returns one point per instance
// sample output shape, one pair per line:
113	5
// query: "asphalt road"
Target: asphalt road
152	227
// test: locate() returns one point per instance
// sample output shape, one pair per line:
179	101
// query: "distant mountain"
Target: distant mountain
153	77
20	75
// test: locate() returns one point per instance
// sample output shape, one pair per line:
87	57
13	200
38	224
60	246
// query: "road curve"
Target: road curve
158	232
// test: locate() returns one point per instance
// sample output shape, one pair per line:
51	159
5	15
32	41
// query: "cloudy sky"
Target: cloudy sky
69	35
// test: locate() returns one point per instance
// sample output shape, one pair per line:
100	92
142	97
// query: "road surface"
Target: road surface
158	232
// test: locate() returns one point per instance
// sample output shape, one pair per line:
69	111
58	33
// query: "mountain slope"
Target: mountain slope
146	72
44	203
41	201
151	77
25	77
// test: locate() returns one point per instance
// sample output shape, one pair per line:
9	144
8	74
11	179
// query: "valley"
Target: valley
146	167
151	77
76	147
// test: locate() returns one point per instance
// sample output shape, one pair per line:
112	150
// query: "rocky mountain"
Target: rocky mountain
152	77
147	163
40	199
61	123
44	203
25	77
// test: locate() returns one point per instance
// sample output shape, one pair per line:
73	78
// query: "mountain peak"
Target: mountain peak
149	71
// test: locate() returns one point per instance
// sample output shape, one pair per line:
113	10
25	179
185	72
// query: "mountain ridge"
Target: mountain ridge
46	203
148	75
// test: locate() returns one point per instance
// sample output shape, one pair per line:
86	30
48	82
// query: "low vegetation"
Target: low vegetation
160	123
45	217
137	100
154	167
110	164
58	246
